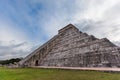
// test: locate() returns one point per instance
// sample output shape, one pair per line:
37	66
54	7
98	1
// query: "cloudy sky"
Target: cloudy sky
27	24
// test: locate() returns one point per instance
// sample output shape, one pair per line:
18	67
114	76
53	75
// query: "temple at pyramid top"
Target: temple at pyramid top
69	26
73	48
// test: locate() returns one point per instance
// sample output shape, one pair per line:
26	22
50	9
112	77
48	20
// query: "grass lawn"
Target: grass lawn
54	74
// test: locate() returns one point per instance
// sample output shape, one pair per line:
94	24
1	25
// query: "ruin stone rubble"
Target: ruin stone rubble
73	48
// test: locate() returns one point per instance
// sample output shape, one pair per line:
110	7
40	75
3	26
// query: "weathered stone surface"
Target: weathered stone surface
73	48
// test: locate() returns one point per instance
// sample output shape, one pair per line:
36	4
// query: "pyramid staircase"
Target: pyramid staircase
73	48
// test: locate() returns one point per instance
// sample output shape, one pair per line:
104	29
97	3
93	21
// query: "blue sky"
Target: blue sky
27	24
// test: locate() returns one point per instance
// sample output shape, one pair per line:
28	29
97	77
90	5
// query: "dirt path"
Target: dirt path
83	68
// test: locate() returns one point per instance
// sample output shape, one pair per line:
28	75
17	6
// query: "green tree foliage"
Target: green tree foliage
12	61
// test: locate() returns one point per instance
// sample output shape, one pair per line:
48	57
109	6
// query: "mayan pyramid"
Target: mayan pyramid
73	48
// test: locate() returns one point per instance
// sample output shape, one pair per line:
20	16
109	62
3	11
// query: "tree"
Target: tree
12	61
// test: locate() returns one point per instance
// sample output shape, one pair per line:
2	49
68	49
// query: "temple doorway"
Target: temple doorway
36	63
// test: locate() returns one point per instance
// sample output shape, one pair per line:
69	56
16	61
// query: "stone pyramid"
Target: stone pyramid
73	48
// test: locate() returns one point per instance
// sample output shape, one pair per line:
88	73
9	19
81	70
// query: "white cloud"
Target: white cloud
12	49
100	18
97	17
93	9
13	41
8	32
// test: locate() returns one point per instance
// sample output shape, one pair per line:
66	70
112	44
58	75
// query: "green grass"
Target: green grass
54	74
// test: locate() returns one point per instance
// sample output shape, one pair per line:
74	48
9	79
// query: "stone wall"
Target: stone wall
73	48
